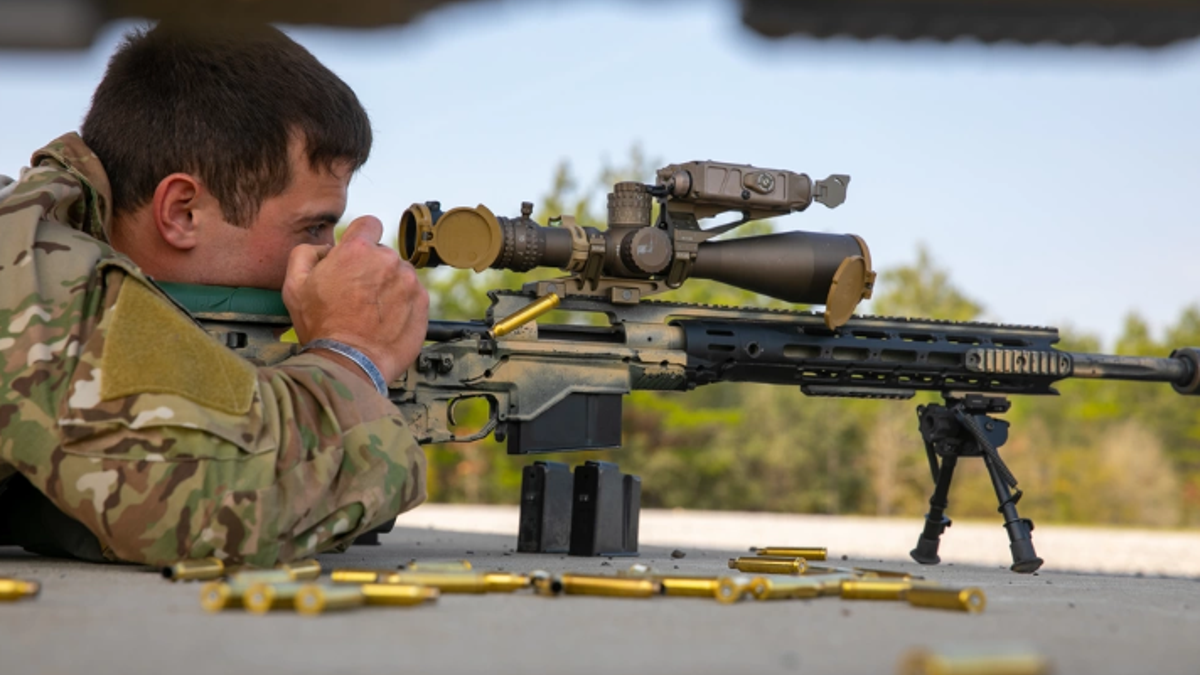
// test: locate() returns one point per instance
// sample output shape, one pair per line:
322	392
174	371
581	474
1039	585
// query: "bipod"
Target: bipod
964	427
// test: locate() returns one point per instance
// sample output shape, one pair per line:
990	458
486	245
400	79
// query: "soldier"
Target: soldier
127	433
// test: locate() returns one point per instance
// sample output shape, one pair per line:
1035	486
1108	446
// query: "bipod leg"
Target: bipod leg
1025	559
936	521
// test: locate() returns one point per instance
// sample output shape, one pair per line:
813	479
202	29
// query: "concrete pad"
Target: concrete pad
126	619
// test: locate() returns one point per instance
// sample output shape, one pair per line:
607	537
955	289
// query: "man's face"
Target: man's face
305	213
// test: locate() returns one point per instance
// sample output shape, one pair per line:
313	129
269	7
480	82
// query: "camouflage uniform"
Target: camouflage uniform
117	406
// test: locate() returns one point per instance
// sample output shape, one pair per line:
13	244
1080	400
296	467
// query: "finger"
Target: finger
303	259
367	228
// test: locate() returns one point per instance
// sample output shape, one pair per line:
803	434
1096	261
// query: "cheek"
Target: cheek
269	255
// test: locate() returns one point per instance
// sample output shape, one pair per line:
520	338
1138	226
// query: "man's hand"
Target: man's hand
361	293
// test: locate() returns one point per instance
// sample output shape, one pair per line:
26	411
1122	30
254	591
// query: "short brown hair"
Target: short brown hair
222	107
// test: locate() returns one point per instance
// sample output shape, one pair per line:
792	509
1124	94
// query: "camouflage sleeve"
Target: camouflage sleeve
161	441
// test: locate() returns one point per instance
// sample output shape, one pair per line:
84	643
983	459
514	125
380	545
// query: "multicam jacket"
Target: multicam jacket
118	407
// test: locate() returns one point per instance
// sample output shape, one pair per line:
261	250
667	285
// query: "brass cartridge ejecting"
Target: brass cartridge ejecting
875	589
526	314
962	599
397	594
779	588
625	587
311	599
218	595
204	569
264	597
767	565
806	552
1011	662
16	589
439	566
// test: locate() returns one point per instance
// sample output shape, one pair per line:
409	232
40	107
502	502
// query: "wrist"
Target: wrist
354	356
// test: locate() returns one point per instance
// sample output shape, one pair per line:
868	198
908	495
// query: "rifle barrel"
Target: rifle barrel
1138	368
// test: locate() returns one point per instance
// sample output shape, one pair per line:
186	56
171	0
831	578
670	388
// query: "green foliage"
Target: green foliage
1102	452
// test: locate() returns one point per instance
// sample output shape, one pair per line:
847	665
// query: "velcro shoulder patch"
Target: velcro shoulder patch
153	349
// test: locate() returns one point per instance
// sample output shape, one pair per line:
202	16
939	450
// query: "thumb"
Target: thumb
367	228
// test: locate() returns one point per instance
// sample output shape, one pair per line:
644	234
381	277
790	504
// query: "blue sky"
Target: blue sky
1056	184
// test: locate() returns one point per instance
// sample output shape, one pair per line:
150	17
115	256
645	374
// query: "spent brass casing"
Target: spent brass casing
925	662
18	589
526	314
806	552
397	594
305	570
970	600
777	588
692	587
249	577
440	566
205	569
261	598
313	599
360	576
218	595
545	583
462	582
875	589
732	589
625	587
503	582
769	565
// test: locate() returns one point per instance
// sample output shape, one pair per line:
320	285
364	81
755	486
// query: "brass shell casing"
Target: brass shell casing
205	569
397	594
249	577
439	566
446	582
970	600
503	582
775	588
313	599
874	589
625	587
304	570
17	589
218	595
925	662
692	587
545	583
360	576
732	589
261	598
806	552
526	314
769	565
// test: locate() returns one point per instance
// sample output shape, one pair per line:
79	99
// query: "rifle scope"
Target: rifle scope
801	267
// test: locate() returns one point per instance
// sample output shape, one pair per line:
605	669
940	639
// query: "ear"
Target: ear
175	205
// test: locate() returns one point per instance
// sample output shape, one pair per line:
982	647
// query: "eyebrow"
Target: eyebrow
326	217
